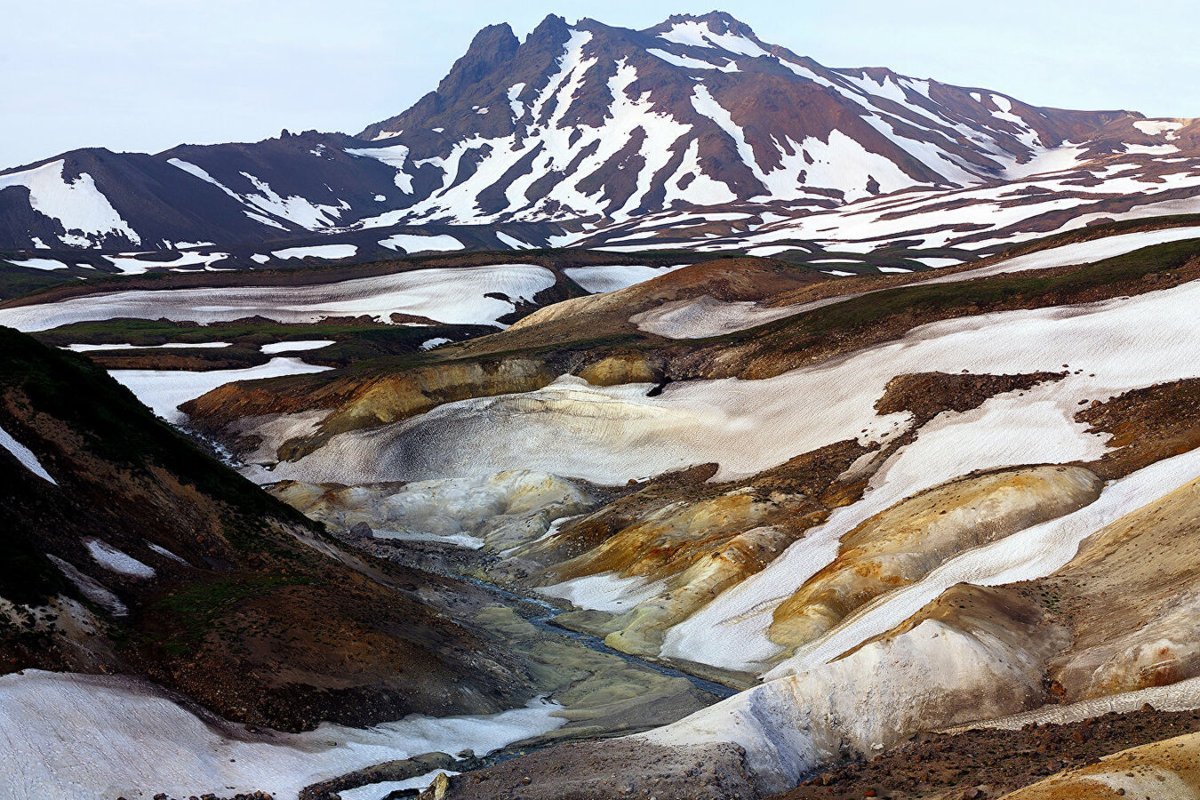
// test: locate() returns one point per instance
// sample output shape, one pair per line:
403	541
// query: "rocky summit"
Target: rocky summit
641	414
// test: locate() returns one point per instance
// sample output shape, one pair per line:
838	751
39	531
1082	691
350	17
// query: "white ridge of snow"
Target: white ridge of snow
1181	696
38	263
71	737
90	588
456	296
687	62
513	242
395	157
421	243
24	455
518	108
295	346
162	551
296	209
610	278
705	316
118	561
87	348
326	251
381	790
697	34
1077	253
1110	340
202	174
606	591
1026	555
1158	127
163	391
79	205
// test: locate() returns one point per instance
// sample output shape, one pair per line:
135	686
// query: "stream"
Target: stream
543	619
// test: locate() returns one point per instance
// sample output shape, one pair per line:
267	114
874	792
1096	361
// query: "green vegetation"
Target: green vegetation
194	609
18	282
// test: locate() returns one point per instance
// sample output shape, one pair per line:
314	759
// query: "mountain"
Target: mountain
582	133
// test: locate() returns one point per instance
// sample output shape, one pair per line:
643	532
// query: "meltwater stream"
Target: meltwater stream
544	621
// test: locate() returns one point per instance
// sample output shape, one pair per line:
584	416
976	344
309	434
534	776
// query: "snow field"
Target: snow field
77	737
452	295
163	391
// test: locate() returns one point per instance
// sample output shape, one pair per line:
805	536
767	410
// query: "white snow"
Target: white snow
610	278
25	456
395	157
437	341
38	263
295	209
413	243
687	62
605	591
1078	253
463	540
132	265
379	791
113	559
77	737
450	295
202	174
90	588
1181	696
1111	340
697	34
293	347
328	251
162	551
79	205
163	391
513	241
1029	554
87	348
1157	127
706	316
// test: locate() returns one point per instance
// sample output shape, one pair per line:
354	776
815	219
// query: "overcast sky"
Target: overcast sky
148	74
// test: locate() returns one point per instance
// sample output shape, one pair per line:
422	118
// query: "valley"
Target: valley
642	413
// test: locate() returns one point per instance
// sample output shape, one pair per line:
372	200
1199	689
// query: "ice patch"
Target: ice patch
78	205
294	347
413	243
70	736
163	391
456	296
115	560
606	591
611	278
25	456
326	251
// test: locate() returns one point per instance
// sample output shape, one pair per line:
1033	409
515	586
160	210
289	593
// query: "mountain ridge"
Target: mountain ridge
574	130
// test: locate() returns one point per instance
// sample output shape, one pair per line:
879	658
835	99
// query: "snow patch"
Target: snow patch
117	561
25	456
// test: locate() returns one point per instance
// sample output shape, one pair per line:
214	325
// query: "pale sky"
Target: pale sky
148	74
